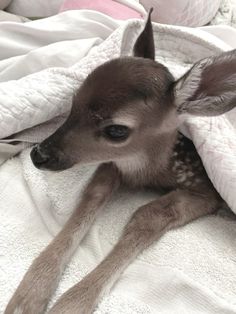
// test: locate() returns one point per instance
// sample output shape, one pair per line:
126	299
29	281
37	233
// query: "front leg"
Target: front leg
40	281
147	225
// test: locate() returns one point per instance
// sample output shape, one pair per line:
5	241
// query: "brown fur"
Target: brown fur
142	95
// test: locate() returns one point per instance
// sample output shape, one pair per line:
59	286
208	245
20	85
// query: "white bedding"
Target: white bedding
31	8
192	269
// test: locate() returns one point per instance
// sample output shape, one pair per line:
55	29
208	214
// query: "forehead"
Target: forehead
121	82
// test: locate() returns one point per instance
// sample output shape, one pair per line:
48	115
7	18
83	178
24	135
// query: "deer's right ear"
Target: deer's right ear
144	46
209	87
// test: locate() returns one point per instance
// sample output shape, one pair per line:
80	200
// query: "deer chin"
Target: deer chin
132	164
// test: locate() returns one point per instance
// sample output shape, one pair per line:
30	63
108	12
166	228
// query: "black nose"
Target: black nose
38	157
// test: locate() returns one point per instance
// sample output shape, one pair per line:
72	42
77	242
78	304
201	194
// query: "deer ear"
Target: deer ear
209	87
144	46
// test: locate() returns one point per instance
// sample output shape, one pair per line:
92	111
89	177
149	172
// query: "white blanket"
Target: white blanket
192	269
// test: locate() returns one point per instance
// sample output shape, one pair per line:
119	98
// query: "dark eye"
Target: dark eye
116	132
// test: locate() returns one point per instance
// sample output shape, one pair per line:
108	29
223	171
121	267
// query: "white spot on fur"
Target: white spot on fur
187	172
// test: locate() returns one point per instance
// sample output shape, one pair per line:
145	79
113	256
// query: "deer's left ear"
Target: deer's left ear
209	87
144	46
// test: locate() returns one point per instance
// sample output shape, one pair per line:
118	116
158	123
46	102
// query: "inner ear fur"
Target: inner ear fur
209	87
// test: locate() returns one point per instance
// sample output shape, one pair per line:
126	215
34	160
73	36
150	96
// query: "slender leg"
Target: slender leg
147	225
37	286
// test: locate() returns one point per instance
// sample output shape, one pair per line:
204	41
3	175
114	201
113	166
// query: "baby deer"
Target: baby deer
125	118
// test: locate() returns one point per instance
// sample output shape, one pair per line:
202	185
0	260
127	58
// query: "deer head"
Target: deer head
127	104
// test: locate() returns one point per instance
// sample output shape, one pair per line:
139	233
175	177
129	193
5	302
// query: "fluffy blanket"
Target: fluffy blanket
192	269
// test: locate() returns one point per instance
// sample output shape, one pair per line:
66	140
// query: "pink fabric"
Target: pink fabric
109	7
